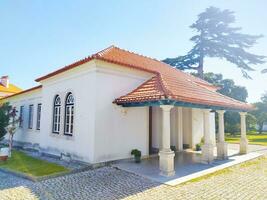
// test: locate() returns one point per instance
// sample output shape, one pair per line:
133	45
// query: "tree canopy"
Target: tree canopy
4	119
227	86
216	37
261	112
230	89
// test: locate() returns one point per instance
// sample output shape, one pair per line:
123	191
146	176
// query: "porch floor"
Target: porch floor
188	164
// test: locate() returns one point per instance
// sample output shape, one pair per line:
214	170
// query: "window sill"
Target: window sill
69	135
62	136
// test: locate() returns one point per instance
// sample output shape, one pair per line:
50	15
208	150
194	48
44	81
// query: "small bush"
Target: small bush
198	147
136	153
173	148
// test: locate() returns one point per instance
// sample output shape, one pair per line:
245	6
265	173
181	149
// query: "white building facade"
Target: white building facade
73	113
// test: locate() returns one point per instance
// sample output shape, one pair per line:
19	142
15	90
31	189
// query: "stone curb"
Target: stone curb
43	178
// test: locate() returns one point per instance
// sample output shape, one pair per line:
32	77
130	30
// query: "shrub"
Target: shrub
173	148
198	147
136	153
4	119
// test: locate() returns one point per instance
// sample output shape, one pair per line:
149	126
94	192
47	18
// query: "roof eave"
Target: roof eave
23	92
180	104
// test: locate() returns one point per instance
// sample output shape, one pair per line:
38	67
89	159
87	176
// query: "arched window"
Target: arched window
56	114
69	114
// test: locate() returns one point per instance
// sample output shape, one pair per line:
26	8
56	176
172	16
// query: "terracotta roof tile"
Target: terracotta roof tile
168	83
175	84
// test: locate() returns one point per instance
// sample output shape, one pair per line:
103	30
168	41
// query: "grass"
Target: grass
217	173
259	139
252	163
23	163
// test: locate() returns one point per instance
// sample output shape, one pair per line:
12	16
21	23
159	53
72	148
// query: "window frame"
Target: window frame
30	119
38	119
21	117
70	120
56	120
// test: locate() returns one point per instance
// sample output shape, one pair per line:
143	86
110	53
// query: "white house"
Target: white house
100	108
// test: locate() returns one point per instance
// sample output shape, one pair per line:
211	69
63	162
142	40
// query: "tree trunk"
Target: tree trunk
260	128
10	144
200	69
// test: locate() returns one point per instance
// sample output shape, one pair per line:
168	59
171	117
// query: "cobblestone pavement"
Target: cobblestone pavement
244	181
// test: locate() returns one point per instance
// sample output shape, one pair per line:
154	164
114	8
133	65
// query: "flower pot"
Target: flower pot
3	158
4	152
137	159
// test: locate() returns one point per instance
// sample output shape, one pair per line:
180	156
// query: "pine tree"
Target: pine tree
217	38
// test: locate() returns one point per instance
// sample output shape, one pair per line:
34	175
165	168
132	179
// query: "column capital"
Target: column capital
242	113
166	107
206	111
220	111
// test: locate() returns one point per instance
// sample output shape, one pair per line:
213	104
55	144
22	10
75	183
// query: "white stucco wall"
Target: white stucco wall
198	126
187	126
118	130
193	126
24	134
156	127
213	127
103	131
174	127
81	82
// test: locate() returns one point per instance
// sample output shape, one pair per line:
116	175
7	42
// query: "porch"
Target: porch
188	165
184	127
174	123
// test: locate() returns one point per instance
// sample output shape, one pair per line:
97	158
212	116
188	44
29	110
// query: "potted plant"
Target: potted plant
4	152
173	148
198	147
137	155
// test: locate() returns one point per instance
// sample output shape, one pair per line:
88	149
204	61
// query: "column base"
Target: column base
243	146
207	153
166	163
222	150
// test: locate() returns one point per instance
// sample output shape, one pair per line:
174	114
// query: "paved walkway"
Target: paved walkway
244	181
188	164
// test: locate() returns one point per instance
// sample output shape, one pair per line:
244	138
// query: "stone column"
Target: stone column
207	148
180	129
222	149
243	140
166	155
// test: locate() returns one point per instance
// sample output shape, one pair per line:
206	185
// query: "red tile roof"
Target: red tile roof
168	83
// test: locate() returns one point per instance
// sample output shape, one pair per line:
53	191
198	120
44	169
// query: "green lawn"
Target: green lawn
23	163
252	139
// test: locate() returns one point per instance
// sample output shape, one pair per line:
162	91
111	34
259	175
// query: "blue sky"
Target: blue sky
39	36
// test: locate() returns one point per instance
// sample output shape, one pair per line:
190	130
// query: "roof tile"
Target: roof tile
168	83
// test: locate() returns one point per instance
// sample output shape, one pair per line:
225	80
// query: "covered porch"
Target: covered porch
188	165
199	126
174	128
181	112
